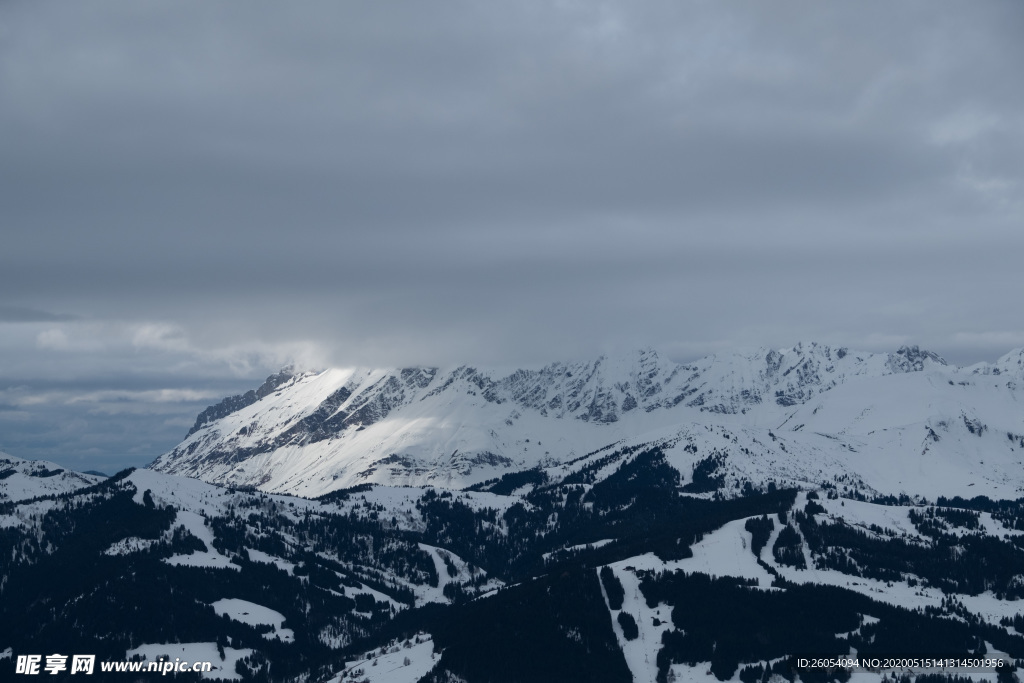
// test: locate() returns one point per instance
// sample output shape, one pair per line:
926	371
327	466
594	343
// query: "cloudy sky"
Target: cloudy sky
193	194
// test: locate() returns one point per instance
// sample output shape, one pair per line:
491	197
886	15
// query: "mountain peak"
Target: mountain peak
913	359
1010	364
232	404
456	426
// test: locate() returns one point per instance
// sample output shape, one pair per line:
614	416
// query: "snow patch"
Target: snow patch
195	652
196	525
463	574
264	558
132	544
404	662
641	653
255	615
576	548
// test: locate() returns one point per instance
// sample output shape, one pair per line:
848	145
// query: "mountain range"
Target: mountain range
622	520
902	422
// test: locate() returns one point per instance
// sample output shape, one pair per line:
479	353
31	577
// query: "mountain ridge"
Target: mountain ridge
312	432
25	479
826	505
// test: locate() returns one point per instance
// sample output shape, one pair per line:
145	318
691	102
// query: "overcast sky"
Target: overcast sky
193	194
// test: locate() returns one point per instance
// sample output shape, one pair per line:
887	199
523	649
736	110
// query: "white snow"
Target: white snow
25	512
425	594
255	615
127	546
725	552
641	653
898	593
392	666
196	525
857	418
208	559
895	518
376	595
195	652
581	546
260	556
26	479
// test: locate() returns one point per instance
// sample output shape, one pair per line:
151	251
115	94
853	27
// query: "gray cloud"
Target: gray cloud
212	190
21	314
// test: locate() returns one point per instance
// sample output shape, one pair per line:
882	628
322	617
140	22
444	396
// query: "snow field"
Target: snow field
985	605
574	548
19	483
260	556
426	593
642	652
255	615
196	526
856	418
195	652
398	664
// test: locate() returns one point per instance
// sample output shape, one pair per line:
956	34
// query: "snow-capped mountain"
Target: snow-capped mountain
25	479
898	422
574	573
744	487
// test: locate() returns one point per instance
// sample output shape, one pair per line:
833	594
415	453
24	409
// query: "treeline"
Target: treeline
60	592
728	622
555	629
969	563
639	506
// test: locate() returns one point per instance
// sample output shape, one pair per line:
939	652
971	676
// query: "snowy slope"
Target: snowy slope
841	436
727	553
253	614
192	653
24	479
899	422
405	662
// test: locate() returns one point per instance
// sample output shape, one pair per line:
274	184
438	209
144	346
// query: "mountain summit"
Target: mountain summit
788	412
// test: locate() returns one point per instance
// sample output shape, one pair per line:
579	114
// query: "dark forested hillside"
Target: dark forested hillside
617	571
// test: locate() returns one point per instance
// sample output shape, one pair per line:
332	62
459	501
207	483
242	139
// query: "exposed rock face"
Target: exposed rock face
236	403
453	427
912	359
